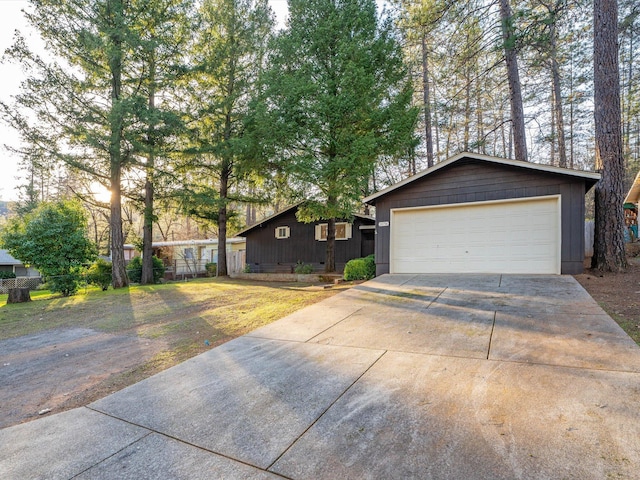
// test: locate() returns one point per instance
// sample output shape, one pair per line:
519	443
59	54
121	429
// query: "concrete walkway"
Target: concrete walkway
405	376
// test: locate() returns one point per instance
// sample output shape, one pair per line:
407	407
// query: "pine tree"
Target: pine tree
228	56
337	99
609	252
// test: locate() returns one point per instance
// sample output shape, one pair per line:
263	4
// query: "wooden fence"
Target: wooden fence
191	268
589	232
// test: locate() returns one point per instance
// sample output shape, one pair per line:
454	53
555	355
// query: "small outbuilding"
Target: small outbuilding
280	242
475	213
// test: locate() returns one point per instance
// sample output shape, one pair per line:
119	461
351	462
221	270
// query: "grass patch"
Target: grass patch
203	309
176	321
630	325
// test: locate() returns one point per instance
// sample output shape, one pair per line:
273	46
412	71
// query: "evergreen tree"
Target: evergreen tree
337	98
227	58
79	103
608	251
87	107
161	32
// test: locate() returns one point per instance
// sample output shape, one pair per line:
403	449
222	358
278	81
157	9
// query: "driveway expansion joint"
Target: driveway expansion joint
330	327
150	432
325	411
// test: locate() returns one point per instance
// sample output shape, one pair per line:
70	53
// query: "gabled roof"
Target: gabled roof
7	259
591	177
287	210
634	192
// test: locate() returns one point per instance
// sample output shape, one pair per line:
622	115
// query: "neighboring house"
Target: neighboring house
277	243
479	214
189	257
26	277
11	264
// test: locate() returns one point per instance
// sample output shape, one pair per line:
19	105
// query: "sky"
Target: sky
10	75
12	19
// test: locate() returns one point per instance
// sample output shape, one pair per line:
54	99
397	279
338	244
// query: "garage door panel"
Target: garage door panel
490	237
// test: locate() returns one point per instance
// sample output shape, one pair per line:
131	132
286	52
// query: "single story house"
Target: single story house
189	257
279	242
475	213
26	277
10	264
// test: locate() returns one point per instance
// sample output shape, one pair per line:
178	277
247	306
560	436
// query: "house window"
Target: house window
283	232
343	231
188	253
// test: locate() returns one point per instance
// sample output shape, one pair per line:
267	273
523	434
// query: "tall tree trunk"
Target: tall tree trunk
609	253
557	99
628	116
222	220
119	271
467	109
330	261
513	77
571	116
427	105
436	124
482	147
115	11
147	277
552	136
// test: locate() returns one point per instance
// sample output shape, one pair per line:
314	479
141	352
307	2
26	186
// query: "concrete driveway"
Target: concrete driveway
416	376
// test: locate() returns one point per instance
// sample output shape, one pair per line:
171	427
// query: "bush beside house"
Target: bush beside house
360	268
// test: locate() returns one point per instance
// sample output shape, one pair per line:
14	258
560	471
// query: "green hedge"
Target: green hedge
5	275
360	268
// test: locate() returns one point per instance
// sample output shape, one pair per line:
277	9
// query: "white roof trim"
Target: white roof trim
486	158
634	191
269	218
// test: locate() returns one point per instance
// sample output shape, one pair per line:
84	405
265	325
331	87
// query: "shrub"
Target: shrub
134	269
211	268
5	275
67	284
360	268
247	268
53	239
99	274
303	268
371	266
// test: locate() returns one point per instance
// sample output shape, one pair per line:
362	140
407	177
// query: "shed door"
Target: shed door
515	236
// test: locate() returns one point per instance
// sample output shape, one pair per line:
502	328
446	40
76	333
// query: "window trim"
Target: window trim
287	232
348	231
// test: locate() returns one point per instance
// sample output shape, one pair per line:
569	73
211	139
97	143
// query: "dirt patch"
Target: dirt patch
60	369
618	294
61	353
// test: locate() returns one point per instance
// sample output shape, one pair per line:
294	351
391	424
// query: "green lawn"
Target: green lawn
183	314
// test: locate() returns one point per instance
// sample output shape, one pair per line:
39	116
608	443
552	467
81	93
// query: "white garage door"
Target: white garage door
515	236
